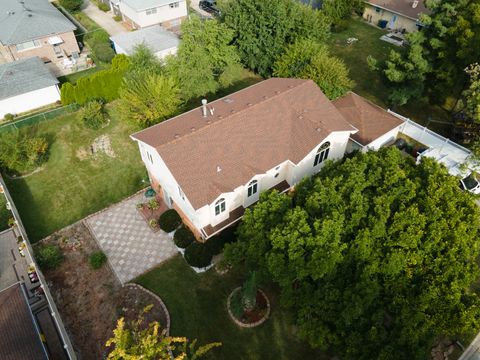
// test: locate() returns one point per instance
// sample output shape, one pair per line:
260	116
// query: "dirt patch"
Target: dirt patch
90	301
101	145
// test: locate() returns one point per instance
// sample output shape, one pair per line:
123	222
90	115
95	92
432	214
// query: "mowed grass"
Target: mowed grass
69	186
198	310
371	84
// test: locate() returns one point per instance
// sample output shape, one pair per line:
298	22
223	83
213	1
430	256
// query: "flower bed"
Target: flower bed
255	317
151	212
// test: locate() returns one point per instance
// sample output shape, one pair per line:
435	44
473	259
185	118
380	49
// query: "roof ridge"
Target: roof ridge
222	120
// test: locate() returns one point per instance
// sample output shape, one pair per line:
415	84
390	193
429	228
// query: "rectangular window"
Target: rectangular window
377	9
150	157
28	45
174	5
151	11
180	192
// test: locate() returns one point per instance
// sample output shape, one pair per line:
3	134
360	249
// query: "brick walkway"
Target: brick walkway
132	248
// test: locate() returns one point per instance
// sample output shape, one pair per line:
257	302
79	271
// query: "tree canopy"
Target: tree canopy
264	28
205	60
375	255
338	10
307	59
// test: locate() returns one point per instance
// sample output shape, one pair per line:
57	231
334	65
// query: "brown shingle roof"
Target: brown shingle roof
403	7
371	120
250	132
19	338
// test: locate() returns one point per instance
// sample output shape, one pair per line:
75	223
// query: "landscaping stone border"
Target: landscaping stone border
156	297
238	322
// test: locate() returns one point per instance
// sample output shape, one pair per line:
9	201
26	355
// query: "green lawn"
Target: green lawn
73	78
370	84
4	213
197	306
68	188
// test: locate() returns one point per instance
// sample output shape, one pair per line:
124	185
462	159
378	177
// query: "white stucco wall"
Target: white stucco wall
395	21
162	174
29	101
164	14
382	140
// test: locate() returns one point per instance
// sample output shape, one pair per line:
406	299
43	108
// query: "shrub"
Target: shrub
216	243
104	7
71	5
93	115
103	52
49	256
153	223
197	255
153	204
97	259
8	117
169	220
183	237
101	85
21	150
117	18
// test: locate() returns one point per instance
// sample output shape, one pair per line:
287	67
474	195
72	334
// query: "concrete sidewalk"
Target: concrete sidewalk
104	19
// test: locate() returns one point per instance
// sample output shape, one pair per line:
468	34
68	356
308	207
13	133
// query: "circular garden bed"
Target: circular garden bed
252	317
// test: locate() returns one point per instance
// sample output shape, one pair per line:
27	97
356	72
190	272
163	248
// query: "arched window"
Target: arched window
322	153
220	206
252	188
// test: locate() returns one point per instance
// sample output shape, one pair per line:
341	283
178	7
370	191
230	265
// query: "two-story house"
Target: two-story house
30	28
213	162
142	13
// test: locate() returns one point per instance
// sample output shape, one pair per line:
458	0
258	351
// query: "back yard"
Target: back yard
370	84
75	182
197	306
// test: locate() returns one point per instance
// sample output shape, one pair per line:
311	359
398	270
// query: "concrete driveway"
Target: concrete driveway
104	19
131	246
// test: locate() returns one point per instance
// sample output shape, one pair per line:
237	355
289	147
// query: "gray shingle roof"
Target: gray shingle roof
22	76
139	5
31	20
155	37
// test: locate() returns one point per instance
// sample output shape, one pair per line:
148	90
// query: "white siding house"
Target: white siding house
26	85
143	13
214	161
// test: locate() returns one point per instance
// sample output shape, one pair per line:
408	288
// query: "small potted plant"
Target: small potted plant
153	224
11	222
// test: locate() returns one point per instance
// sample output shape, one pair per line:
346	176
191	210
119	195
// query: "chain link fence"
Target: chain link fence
38	118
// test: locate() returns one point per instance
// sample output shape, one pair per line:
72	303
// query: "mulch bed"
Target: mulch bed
90	301
258	313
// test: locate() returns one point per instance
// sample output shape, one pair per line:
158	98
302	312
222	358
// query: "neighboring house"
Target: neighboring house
376	126
160	41
20	335
214	161
398	14
143	13
25	85
35	28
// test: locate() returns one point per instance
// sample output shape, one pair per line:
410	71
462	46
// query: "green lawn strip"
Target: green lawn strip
68	188
197	307
86	21
371	84
4	213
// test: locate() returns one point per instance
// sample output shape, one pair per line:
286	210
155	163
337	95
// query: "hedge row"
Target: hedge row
103	85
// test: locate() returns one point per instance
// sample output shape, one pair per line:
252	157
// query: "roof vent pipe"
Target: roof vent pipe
204	107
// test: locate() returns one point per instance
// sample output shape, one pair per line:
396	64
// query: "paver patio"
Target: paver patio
131	246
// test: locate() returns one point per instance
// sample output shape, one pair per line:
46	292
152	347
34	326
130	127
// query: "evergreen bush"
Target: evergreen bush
103	52
104	7
49	256
93	115
169	220
71	5
97	259
183	237
197	255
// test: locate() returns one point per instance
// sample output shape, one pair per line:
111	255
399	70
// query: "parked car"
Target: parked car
470	183
209	6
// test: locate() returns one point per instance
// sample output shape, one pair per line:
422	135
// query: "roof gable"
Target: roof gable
371	120
250	132
30	19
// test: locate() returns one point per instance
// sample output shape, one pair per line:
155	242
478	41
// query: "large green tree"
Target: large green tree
375	255
338	10
205	60
147	99
307	59
264	28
